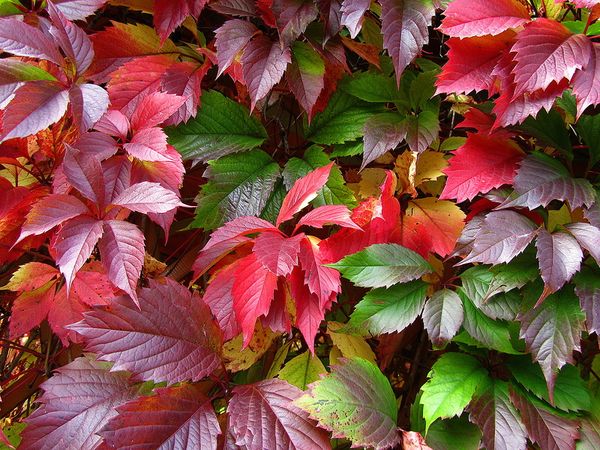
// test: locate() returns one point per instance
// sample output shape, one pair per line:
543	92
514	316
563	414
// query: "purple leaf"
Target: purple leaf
145	339
421	130
332	16
587	288
20	39
306	76
405	30
383	132
122	252
501	237
88	104
35	107
586	82
262	415
353	12
263	65
559	256
78	9
117	176
84	173
73	41
98	144
552	332
230	39
77	402
541	179
442	316
146	197
588	237
242	8
593	214
278	253
176	417
169	14
292	18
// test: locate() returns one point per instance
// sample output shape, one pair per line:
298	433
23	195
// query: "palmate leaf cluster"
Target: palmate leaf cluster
293	224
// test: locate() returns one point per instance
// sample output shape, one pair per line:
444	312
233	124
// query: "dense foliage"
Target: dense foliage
273	224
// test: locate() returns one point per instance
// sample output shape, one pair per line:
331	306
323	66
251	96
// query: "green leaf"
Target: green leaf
588	128
423	128
273	205
570	391
362	85
239	185
347	149
302	370
422	89
453	380
388	310
221	127
12	70
382	265
342	120
355	401
13	433
335	191
8	8
549	127
456	434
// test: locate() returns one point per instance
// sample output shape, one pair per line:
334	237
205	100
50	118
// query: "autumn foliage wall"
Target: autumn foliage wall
273	224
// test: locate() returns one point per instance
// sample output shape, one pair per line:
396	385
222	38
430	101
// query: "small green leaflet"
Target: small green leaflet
382	265
355	401
238	185
453	380
361	84
388	310
221	127
302	370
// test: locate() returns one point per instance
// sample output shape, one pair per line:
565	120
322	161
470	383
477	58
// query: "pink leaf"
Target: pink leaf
468	18
169	14
292	18
405	30
20	39
219	298
117	177
328	214
262	415
144	339
545	52
559	256
30	308
50	212
154	109
176	417
122	252
240	226
35	107
92	287
208	257
77	402
353	12
184	79
146	197
263	64
113	123
321	280
98	144
72	39
148	144
382	133
277	253
88	104
586	82
66	310
84	173
78	9
230	40
253	292
74	244
302	192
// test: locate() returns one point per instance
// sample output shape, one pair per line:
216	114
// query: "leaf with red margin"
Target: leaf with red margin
277	253
559	256
550	429
405	30
545	52
321	280
77	402
238	227
292	17
219	298
302	192
147	197
253	292
306	76
88	103
144	339
262	415
122	252
169	14
35	107
382	133
552	332
84	173
176	417
78	9
468	18
50	212
184	79
230	40
474	169
20	39
586	82
328	215
74	244
353	12
588	237
471	62
263	65
154	109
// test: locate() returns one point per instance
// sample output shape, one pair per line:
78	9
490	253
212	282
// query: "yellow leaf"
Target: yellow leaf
302	370
405	168
429	166
557	217
371	180
350	345
237	359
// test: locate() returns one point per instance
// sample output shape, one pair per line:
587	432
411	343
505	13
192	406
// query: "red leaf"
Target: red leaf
35	106
235	228
77	402
184	79
474	169
302	192
262	415
253	292
176	417
328	214
154	109
147	197
92	287
148	144
321	280
545	52
117	177
20	39
383	132
263	64
292	18
84	173
278	318
230	40
88	103
145	341
72	39
219	298
353	12
471	62
405	30
64	311
331	15
586	82
74	244
30	309
468	18
277	253
78	9
30	276
208	257
113	123
169	14
306	76
50	212
122	252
